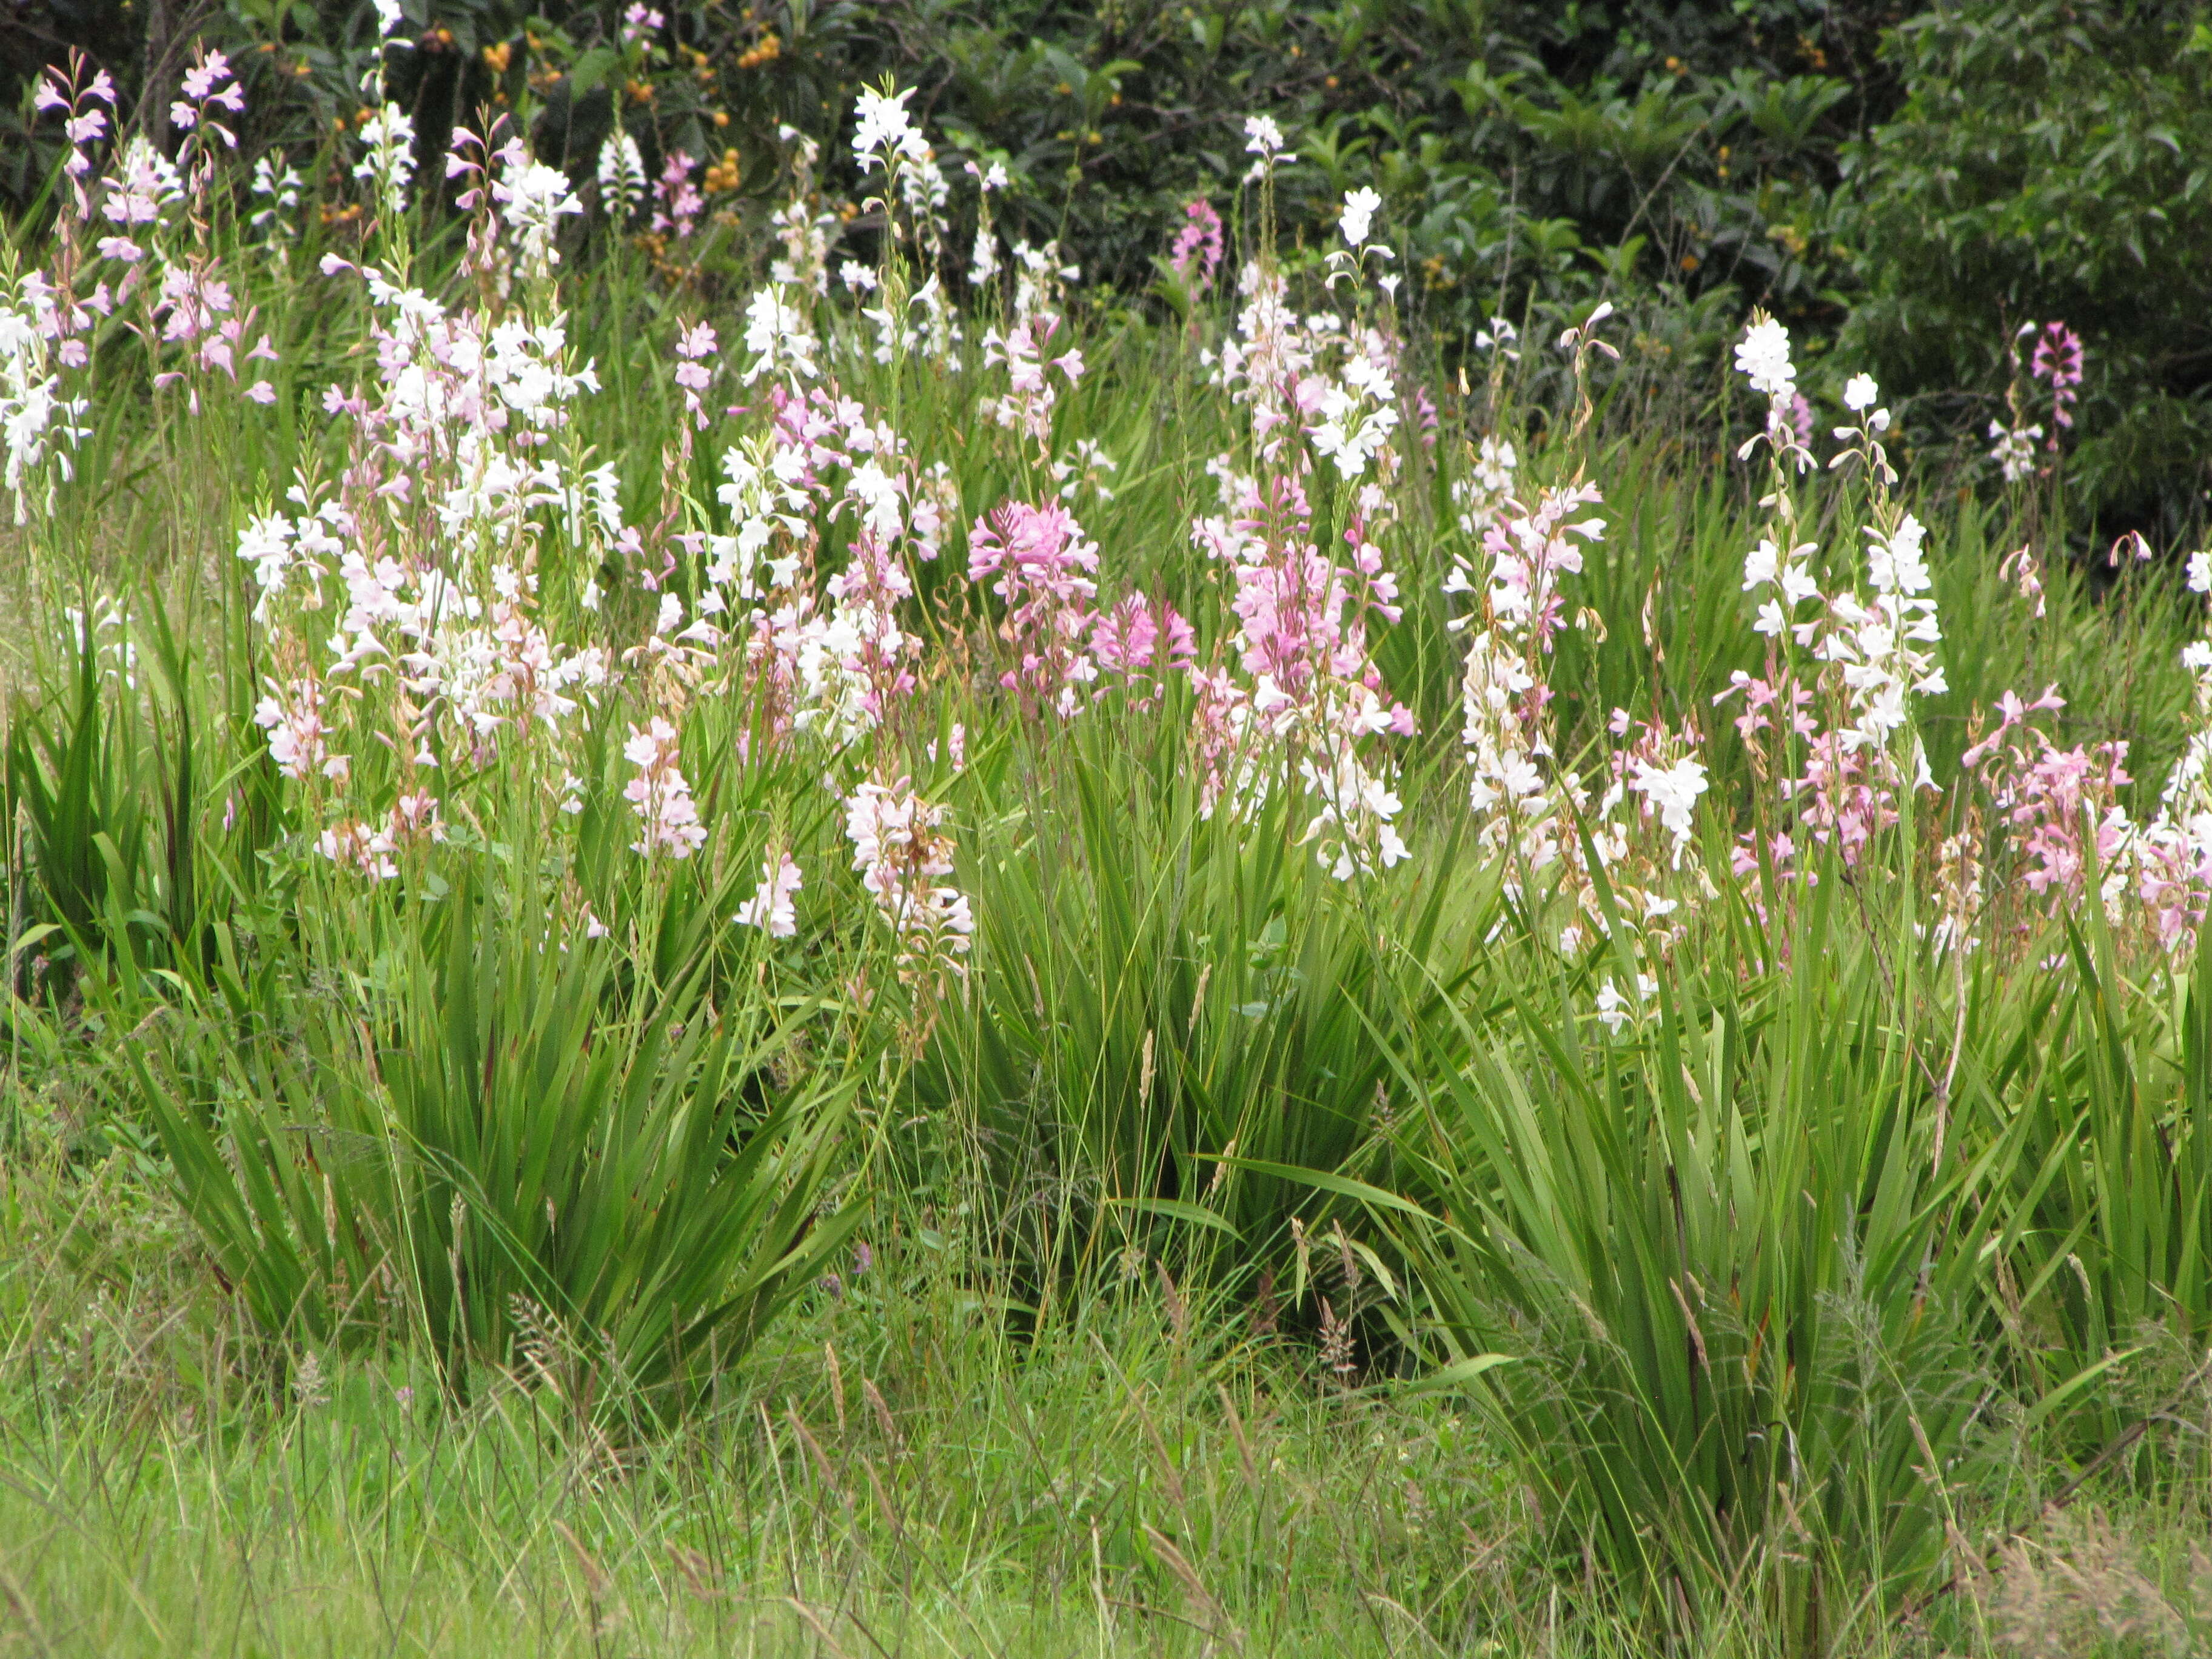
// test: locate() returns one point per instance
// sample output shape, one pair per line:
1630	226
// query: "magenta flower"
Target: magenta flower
2058	360
1198	245
1046	573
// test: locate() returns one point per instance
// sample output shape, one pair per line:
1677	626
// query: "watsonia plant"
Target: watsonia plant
498	1135
1164	997
1731	1271
2098	1105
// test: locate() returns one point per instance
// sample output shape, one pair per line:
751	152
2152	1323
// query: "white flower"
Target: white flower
1674	790
1898	565
1574	339
1262	137
881	126
2200	572
390	163
622	176
1763	354
1360	208
2014	450
389	17
1498	336
777	335
534	199
1611	1006
1763	564
1860	392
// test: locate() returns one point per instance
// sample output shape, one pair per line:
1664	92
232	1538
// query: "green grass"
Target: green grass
896	1467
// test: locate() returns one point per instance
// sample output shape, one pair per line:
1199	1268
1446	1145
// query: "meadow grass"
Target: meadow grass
899	1470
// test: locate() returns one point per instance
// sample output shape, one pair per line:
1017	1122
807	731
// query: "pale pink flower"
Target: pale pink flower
659	794
770	906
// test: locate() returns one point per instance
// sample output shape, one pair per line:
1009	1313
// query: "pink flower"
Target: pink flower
203	93
693	345
292	716
1198	245
1141	639
901	851
203	77
362	848
678	203
660	795
1046	573
2043	793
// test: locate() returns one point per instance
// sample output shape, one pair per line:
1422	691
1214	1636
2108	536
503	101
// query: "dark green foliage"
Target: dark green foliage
1516	144
1724	1262
2049	162
1923	181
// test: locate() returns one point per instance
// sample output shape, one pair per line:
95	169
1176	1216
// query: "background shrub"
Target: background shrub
1920	183
2048	161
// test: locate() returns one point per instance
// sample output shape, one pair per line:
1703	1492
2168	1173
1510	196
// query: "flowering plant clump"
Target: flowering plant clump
1829	719
1037	560
880	554
1611	846
429	548
2060	805
1303	702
